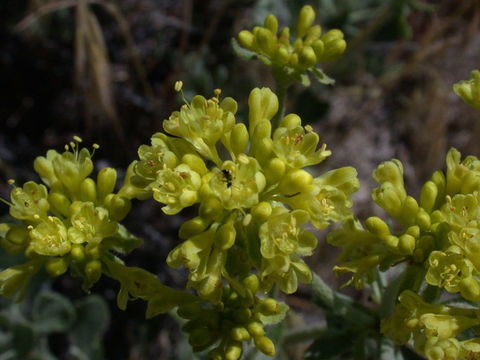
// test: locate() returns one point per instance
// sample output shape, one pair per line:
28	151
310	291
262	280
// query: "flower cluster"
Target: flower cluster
252	206
292	59
435	329
441	234
69	221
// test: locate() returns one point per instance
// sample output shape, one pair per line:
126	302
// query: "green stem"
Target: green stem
281	87
305	334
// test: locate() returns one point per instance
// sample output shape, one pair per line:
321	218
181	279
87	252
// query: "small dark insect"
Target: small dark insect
227	177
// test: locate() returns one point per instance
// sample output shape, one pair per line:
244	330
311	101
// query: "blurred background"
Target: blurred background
105	69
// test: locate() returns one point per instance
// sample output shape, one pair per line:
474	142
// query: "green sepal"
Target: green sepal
321	77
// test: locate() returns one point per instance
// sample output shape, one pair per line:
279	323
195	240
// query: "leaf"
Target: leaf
52	312
330	345
93	319
23	337
242	52
340	305
305	80
321	77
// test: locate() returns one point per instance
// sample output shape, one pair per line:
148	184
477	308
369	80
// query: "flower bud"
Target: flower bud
470	289
413	231
423	220
266	41
275	170
88	190
388	199
391	241
239	139
409	211
93	271
265	345
314	32
239	333
252	283
188	198
268	306
305	19
428	196
281	55
119	207
56	266
291	121
210	208
225	236
246	39
470	183
78	253
406	244
263	104
261	211
271	23
106	180
44	168
295	181
377	226
332	35
318	47
233	351
17	235
284	37
307	57
255	329
195	163
438	177
192	227
60	202
293	60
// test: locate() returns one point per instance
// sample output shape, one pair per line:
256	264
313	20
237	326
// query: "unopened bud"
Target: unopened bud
93	271
377	226
106	180
195	163
239	139
56	266
192	227
88	190
295	181
265	345
406	244
428	196
271	23
17	235
225	236
246	39
305	19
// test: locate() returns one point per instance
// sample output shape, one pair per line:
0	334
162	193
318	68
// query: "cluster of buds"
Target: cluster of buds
70	221
293	58
252	206
441	234
469	90
234	321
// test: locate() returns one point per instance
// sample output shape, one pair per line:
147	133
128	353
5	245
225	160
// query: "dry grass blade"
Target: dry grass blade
28	20
115	12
